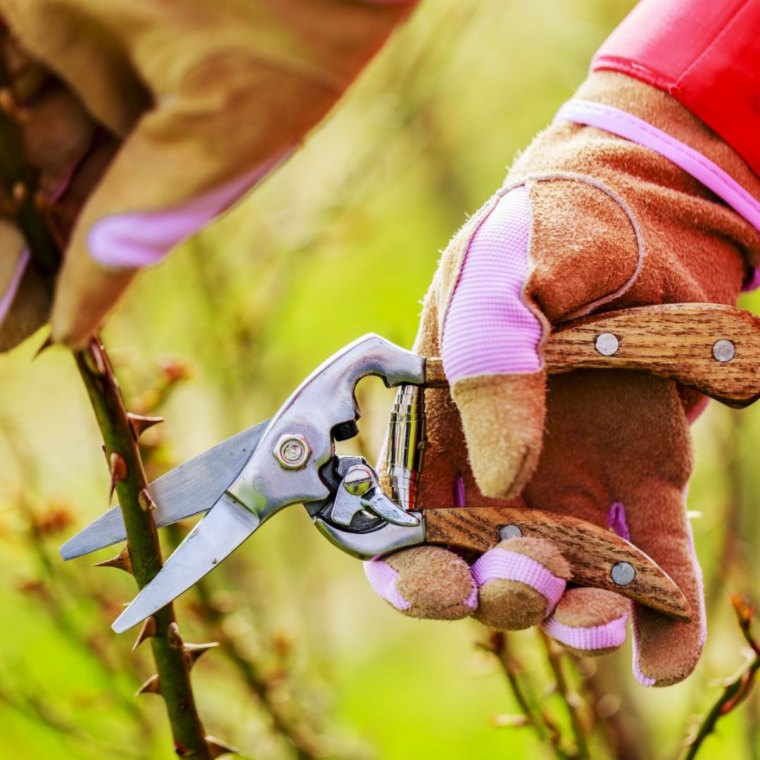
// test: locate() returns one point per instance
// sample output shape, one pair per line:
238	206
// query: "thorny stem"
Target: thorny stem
145	553
306	745
21	204
570	697
736	690
544	726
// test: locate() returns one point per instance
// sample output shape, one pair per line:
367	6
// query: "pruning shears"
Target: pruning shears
290	459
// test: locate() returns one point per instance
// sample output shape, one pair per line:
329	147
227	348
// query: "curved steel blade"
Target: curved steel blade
187	490
215	537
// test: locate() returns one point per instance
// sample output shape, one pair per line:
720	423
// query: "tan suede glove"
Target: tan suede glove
205	98
586	221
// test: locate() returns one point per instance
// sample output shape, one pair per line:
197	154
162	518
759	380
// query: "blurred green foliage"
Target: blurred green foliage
342	241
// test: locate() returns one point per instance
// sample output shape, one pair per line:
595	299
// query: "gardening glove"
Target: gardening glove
43	120
204	98
586	221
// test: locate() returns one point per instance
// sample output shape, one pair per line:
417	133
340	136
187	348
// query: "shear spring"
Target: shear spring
406	441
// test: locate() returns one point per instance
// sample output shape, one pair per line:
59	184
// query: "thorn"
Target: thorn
118	469
193	652
145	500
140	423
7	102
94	359
121	561
147	631
217	747
173	636
19	192
48	342
151	686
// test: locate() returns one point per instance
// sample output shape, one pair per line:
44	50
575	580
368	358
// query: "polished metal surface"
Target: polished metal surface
214	538
359	479
324	401
187	490
292	451
386	539
406	436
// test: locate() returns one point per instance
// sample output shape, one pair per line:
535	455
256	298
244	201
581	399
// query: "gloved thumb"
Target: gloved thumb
491	336
503	421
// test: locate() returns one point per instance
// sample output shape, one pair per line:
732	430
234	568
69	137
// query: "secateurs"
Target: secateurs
291	459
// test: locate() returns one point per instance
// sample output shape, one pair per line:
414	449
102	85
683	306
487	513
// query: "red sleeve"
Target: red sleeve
705	53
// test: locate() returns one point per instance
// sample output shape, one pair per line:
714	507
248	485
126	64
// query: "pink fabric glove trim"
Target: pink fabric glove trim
488	328
499	564
382	577
141	239
10	294
637	130
605	636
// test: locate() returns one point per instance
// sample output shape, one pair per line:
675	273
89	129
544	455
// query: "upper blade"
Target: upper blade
187	490
216	536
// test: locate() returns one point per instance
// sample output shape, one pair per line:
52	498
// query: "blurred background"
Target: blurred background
342	241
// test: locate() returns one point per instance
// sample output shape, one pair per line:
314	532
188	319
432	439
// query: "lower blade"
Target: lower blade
187	490
215	537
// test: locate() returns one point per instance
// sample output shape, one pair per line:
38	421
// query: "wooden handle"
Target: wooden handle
714	348
591	551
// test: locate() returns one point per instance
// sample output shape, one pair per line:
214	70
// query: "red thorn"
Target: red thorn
146	632
122	561
140	423
151	686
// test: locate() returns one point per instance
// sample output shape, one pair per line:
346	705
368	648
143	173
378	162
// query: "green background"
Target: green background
342	241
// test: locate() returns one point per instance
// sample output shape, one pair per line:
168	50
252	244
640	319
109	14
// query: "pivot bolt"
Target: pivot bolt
358	480
622	574
292	451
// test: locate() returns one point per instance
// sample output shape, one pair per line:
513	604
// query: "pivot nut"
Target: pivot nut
292	451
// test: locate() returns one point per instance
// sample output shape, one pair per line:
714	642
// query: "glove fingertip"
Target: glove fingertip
85	294
503	421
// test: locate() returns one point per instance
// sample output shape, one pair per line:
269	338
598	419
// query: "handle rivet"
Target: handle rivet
607	344
292	451
509	531
723	350
358	480
622	574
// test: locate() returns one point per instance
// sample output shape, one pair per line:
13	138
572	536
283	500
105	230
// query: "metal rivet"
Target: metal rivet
607	344
622	574
509	531
292	451
723	350
358	480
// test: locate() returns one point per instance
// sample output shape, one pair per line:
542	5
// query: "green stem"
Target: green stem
145	553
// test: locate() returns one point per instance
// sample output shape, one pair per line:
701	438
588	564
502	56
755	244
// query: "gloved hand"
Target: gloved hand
204	98
586	221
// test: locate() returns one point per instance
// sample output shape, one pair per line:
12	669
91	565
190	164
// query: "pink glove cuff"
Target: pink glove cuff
488	328
598	637
141	239
382	577
630	127
499	564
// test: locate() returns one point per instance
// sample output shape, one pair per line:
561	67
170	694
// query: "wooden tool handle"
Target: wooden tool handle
714	348
597	557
